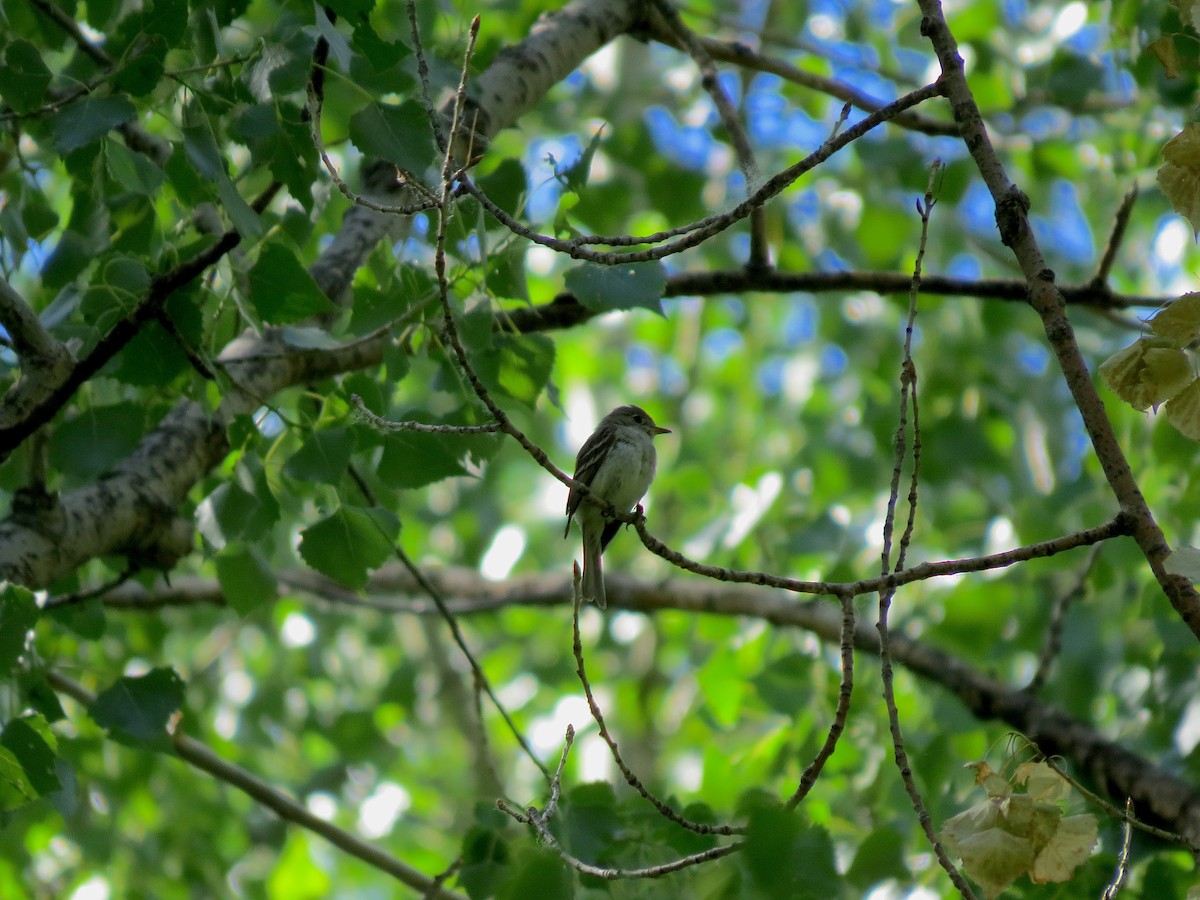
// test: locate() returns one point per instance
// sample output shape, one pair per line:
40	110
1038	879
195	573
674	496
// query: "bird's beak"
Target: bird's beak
658	430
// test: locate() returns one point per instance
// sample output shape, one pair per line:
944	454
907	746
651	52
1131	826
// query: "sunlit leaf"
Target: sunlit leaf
245	580
1183	411
1068	849
1146	373
1179	175
349	543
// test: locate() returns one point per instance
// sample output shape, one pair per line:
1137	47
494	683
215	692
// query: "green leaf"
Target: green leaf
517	366
223	516
167	19
18	615
539	873
15	788
137	709
87	119
96	439
784	683
23	76
788	858
413	459
485	858
132	171
297	874
28	745
506	185
323	457
505	275
400	134
281	290
280	141
155	358
119	283
86	619
246	581
349	543
39	695
379	53
201	149
627	286
140	74
591	818
879	857
575	176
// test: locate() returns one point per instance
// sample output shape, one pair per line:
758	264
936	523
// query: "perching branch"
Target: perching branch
1160	797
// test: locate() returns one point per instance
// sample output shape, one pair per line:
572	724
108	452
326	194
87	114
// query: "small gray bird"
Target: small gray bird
617	464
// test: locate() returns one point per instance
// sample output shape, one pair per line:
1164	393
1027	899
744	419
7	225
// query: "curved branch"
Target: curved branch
287	808
1160	797
1012	219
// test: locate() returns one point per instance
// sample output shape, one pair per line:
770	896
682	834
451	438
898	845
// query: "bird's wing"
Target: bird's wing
591	456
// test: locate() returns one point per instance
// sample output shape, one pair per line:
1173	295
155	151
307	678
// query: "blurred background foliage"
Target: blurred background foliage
783	408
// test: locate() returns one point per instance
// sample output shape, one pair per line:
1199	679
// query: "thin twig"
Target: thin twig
1052	641
1016	232
908	391
631	779
845	690
1120	223
759	250
456	633
698	232
161	288
610	873
742	55
287	808
381	424
314	108
1116	527
68	24
62	601
1114	886
1127	816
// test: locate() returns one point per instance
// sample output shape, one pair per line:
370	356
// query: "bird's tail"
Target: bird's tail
592	583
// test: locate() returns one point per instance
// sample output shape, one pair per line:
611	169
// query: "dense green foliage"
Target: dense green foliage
287	634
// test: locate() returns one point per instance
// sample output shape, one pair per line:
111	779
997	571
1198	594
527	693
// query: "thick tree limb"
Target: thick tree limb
565	311
53	395
123	511
1159	797
128	511
45	362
